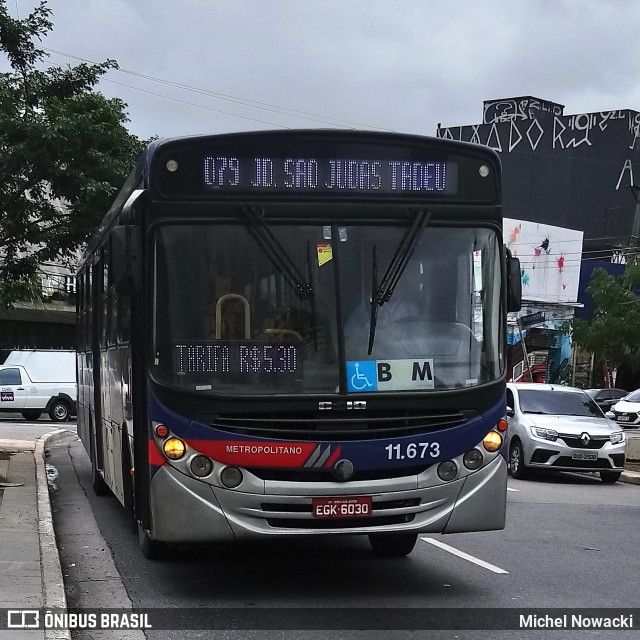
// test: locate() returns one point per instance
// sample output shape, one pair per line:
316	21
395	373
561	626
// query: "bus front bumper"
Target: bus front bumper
184	509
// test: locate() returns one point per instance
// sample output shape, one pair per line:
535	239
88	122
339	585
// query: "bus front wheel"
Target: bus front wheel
393	545
151	549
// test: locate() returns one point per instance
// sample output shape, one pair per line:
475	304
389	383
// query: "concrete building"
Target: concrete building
45	322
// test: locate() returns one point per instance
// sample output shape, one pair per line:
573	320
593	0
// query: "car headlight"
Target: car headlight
616	437
546	434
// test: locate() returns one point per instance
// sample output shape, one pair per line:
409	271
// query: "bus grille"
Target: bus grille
341	426
326	475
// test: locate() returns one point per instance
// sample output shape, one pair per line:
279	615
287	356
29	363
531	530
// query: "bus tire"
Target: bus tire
127	481
31	415
516	460
100	487
393	545
151	549
59	411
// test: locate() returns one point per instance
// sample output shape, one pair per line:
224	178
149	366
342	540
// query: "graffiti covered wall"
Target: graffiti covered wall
574	171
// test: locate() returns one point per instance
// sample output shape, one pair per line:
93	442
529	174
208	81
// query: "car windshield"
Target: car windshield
558	403
634	396
236	313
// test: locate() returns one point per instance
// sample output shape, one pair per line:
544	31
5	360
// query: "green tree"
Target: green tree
64	151
613	332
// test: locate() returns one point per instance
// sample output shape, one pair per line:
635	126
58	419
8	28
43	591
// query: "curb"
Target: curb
52	581
630	477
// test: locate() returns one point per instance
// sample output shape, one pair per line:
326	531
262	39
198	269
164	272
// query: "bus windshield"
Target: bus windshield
290	311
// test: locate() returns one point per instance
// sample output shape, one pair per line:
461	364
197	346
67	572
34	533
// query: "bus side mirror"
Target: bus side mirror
514	283
125	258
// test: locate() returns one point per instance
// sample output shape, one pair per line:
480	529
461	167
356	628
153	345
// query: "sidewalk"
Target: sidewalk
30	573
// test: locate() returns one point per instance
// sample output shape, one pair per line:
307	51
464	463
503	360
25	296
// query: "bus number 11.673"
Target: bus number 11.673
420	450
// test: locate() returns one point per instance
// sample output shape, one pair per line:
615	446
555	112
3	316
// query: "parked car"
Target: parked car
626	412
36	381
606	398
562	429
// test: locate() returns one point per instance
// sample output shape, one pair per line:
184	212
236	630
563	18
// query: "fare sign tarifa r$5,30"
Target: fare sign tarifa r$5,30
312	174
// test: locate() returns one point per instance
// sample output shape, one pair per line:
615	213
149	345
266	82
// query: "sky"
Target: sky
397	65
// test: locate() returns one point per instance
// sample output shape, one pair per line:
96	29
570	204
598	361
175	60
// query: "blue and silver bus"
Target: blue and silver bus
298	333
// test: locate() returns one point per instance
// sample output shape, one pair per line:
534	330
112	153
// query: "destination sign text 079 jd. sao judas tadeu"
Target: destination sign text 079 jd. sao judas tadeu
226	173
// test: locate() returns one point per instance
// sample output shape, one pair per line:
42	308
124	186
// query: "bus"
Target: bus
299	333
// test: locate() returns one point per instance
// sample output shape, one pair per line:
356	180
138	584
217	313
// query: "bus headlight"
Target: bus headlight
473	459
231	477
174	448
492	441
447	470
201	466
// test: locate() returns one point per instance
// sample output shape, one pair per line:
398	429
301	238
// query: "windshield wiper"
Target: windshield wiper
277	254
382	293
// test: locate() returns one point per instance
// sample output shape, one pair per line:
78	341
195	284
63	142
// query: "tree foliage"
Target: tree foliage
613	332
64	151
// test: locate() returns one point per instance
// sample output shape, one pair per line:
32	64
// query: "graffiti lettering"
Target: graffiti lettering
518	109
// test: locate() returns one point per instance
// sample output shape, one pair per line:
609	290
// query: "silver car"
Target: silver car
563	429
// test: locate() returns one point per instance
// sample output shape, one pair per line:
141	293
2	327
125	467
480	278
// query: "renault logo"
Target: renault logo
586	439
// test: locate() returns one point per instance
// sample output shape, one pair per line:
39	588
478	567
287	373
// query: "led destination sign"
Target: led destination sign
232	358
226	173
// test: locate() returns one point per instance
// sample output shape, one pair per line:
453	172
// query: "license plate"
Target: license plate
584	455
351	507
623	418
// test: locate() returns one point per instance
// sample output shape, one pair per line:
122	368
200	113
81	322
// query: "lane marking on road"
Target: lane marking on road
510	489
463	555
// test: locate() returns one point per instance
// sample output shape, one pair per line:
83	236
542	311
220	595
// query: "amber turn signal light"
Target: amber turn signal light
492	441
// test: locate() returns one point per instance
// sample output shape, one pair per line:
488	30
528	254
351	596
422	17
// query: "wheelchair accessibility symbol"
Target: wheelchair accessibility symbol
362	376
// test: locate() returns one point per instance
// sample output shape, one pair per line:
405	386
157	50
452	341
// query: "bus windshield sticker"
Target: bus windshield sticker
390	375
325	253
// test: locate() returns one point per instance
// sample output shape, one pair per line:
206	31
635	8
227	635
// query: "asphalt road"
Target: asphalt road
570	542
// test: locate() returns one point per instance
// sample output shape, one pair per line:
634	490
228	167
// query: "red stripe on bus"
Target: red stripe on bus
255	454
332	458
155	457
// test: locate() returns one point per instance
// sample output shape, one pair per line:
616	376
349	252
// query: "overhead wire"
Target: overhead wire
245	102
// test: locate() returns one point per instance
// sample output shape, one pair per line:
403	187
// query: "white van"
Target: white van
37	381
